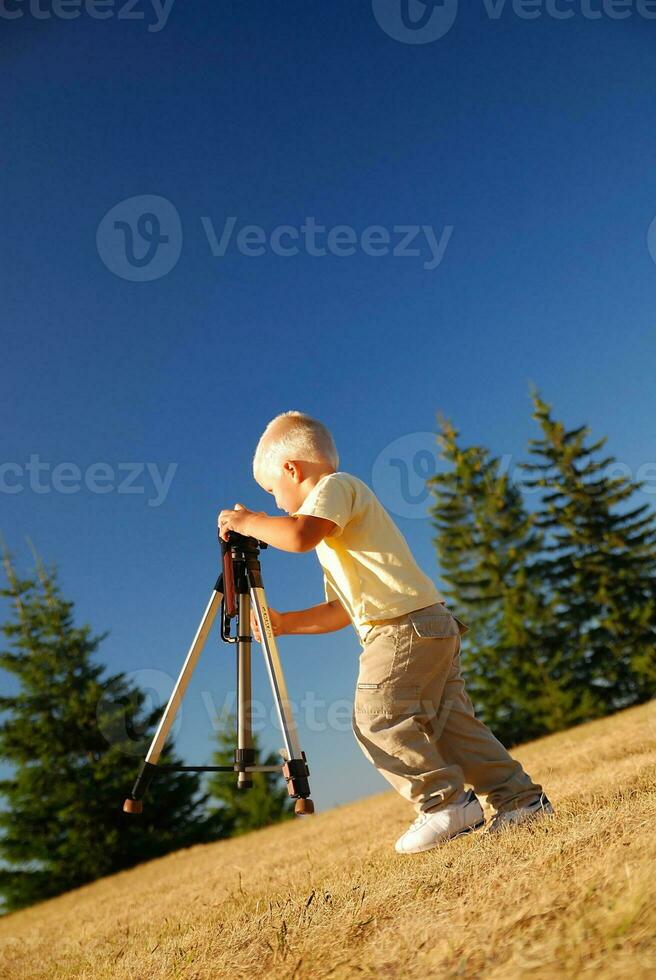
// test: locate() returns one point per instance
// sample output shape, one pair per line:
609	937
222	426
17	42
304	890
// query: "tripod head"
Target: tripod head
236	554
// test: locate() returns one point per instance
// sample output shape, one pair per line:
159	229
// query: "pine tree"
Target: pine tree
266	802
73	758
489	548
600	564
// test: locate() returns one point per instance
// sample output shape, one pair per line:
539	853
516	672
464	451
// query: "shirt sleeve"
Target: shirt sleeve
332	501
328	590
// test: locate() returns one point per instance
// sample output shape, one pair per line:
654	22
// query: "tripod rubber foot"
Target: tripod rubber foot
303	806
133	806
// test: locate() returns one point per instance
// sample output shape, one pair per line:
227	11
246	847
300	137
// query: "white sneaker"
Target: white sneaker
510	818
435	827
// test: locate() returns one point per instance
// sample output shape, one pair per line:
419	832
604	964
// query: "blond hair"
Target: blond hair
303	438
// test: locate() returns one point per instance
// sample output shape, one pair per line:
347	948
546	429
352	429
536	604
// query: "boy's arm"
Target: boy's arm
302	533
324	618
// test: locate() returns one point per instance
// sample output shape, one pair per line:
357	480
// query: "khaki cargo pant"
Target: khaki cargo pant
415	722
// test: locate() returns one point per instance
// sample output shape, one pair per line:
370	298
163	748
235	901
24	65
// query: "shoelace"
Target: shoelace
425	814
421	819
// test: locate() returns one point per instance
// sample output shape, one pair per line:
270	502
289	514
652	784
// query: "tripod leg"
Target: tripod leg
245	754
133	804
295	770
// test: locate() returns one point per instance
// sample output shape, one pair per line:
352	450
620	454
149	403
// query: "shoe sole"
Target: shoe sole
445	840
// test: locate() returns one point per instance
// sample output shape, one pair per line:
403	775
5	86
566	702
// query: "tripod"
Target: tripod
237	588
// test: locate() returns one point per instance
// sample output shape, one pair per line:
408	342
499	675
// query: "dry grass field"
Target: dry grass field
328	896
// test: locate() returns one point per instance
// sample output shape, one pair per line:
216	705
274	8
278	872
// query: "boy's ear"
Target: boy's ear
294	470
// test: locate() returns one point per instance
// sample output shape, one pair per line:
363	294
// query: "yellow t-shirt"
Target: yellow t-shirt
366	561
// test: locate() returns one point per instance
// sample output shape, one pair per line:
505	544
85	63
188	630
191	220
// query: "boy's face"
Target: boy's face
284	483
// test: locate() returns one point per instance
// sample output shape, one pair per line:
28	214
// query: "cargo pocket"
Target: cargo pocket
435	624
385	701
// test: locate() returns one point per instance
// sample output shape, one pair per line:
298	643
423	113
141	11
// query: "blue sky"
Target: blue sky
525	146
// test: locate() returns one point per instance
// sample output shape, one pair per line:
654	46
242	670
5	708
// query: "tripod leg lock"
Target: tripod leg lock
296	774
134	804
243	758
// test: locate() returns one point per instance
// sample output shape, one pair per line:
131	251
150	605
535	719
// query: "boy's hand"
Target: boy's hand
276	624
233	520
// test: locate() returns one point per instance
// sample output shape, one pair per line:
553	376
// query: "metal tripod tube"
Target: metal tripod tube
184	677
276	676
148	768
245	753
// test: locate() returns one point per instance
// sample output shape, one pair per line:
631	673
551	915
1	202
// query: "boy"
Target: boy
411	715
